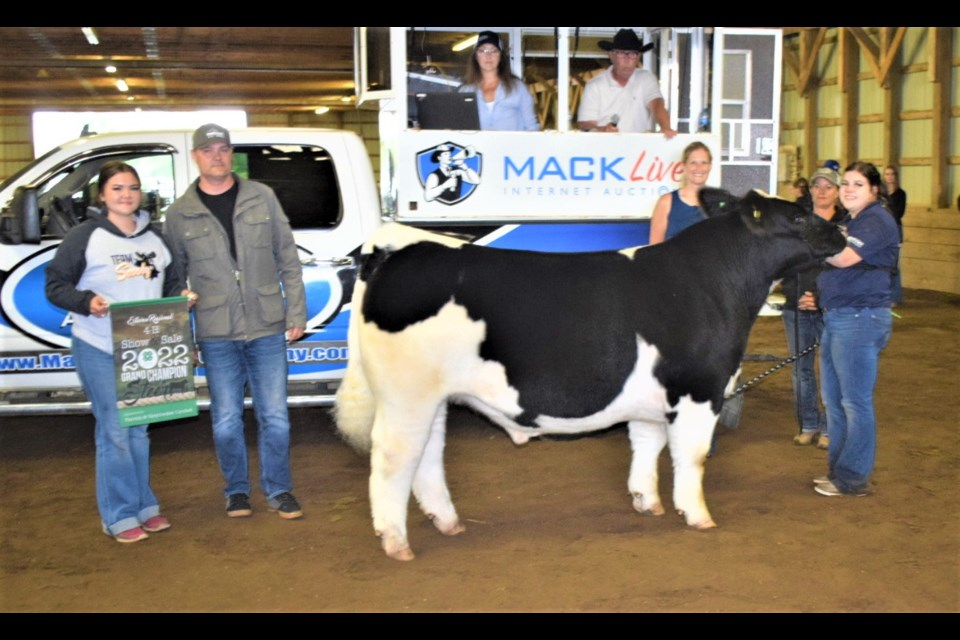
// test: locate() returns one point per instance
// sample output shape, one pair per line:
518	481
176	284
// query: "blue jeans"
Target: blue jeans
230	366
849	359
124	497
812	418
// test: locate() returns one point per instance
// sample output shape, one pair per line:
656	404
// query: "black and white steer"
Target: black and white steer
551	343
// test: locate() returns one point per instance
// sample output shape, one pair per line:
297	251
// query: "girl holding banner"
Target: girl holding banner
113	256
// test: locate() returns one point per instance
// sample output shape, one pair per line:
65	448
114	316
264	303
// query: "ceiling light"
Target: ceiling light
346	99
110	68
90	35
463	44
321	110
122	85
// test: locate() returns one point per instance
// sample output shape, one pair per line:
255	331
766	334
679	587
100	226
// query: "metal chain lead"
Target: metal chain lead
780	365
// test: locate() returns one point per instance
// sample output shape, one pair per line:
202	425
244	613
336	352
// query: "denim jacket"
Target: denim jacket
260	293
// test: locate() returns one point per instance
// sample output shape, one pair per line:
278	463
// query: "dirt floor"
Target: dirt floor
550	527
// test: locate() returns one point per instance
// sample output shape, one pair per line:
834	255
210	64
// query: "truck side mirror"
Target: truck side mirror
26	214
21	221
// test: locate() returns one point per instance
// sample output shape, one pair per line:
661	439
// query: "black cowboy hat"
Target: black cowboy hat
625	40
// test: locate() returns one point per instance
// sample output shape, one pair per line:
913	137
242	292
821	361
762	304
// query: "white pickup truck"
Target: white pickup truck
322	177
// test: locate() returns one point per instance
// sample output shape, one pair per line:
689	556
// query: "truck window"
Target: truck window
64	198
303	177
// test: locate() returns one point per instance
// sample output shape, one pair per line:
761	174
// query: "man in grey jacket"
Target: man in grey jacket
233	241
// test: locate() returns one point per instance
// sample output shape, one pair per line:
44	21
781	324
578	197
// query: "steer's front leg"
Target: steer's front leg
689	437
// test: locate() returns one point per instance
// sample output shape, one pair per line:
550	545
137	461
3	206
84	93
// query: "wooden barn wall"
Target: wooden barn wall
887	98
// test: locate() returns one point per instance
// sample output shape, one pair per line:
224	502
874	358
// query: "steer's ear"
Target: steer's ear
715	202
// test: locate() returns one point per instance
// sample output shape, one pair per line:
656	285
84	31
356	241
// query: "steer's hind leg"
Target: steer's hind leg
689	437
647	440
399	437
430	483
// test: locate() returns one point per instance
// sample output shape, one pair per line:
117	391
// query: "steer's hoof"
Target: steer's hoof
456	529
452	529
701	525
651	509
404	555
395	546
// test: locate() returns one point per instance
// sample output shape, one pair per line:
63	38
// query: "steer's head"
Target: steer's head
798	236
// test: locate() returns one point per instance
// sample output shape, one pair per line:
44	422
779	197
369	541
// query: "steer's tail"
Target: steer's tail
354	408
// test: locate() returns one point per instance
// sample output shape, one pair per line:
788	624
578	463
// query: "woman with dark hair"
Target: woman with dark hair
116	256
801	193
679	209
897	199
504	102
855	298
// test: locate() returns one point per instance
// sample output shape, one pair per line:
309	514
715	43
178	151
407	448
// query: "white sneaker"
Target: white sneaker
829	489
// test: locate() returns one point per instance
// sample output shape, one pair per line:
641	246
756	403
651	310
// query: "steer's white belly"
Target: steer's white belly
456	372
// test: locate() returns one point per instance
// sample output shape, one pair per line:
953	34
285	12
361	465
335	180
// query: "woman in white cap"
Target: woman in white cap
803	321
504	102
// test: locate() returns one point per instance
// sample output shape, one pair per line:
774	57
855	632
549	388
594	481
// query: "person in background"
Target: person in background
801	193
855	298
803	321
679	209
116	256
231	238
624	97
897	200
503	101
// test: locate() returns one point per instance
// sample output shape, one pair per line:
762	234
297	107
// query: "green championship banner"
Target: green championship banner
153	360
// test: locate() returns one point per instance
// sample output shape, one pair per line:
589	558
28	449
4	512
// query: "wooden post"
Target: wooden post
847	68
941	43
892	103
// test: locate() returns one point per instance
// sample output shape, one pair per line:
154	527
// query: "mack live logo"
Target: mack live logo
448	172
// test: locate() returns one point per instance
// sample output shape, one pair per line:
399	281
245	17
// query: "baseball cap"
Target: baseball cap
488	37
210	133
828	174
832	164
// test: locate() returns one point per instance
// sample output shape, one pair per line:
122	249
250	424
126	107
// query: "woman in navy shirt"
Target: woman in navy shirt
679	209
855	298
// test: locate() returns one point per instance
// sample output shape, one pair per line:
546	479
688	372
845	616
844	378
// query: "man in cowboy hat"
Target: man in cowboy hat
624	97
